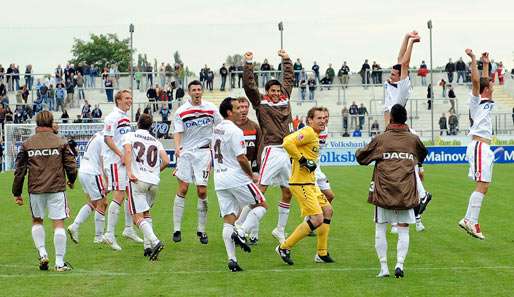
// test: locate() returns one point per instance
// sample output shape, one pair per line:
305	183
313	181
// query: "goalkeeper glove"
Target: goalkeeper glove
308	164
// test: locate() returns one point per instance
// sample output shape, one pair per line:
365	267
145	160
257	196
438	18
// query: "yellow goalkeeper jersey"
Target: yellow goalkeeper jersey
304	142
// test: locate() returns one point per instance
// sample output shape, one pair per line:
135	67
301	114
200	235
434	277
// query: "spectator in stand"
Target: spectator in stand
363	112
330	74
443	127
169	95
422	73
311	83
86	110
151	94
232	71
450	69
169	73
442	84
301	124
8	115
29	79
58	74
453	121
303	88
512	73
70	91
451	95
16	77
239	74
376	74
345	114
109	89
2	73
2	116
3	91
460	66
164	112
19	94
65	116
500	71
364	73
344	75
138	113
60	94
97	112
297	67
87	76
354	113
78	120
18	114
203	75
43	93
265	68
80	86
5	101
162	74
138	76
492	70
210	79
375	129
315	70
429	97
69	72
51	98
149	75
223	74
296	122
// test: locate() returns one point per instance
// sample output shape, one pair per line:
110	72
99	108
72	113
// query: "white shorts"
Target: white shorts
232	200
56	203
481	159
391	216
321	180
92	185
117	179
141	196
194	167
275	167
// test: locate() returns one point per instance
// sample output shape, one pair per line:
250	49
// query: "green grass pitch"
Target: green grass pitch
442	261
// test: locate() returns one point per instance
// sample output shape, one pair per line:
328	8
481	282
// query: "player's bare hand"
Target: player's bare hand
255	177
283	54
19	200
177	152
248	56
70	185
485	58
132	177
469	52
421	175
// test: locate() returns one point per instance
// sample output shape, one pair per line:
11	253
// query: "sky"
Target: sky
207	31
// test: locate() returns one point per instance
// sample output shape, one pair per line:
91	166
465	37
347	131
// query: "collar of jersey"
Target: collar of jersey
119	110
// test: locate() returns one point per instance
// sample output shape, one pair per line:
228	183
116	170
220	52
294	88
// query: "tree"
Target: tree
234	59
102	50
176	57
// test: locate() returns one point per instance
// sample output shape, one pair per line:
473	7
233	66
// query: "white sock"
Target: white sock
38	235
202	208
242	216
146	241
128	217
253	219
228	229
99	223
148	232
283	214
381	244
82	216
112	215
60	246
178	212
419	185
403	246
474	205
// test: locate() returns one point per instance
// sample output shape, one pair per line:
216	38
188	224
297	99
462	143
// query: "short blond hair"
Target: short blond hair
45	119
119	94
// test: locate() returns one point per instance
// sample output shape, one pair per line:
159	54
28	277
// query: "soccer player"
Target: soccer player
397	91
145	158
233	180
393	189
116	125
273	112
193	123
479	153
91	179
252	134
303	148
49	161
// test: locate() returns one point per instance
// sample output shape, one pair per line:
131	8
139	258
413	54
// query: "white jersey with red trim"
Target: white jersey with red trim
323	137
396	93
91	161
228	142
480	111
116	125
146	160
196	122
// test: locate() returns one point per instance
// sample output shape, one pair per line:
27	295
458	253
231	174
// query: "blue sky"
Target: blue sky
205	32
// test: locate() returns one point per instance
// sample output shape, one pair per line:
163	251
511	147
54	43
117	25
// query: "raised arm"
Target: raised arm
485	62
405	42
475	77
405	60
287	65
249	84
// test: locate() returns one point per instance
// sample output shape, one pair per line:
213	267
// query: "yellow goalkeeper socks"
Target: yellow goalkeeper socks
298	234
322	234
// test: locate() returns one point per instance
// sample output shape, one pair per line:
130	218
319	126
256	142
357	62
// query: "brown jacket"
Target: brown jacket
47	157
396	153
274	119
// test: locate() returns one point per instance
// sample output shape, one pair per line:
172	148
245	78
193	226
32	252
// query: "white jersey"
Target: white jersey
480	112
91	161
146	160
116	125
323	136
228	143
397	93
196	122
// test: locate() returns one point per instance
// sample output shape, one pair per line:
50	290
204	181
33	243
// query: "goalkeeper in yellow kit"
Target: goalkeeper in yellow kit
303	148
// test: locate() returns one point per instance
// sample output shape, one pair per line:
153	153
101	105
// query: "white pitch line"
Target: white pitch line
81	272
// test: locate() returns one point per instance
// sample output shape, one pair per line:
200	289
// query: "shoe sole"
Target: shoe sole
136	239
43	264
71	236
155	253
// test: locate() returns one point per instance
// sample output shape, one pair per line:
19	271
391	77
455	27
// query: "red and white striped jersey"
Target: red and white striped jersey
116	125
91	161
480	111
